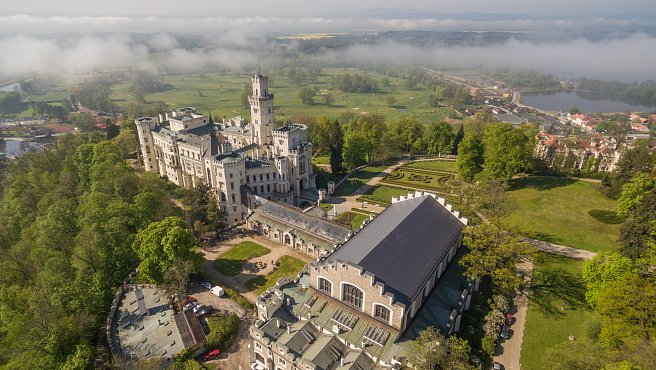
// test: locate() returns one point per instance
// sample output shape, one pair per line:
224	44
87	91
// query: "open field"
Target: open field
556	309
289	267
556	209
230	263
221	94
437	165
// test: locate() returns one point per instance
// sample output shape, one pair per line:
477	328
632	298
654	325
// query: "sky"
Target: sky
305	8
605	39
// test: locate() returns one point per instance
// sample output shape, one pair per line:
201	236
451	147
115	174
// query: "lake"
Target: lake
14	148
586	102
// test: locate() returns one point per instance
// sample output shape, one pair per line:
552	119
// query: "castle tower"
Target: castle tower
144	127
262	111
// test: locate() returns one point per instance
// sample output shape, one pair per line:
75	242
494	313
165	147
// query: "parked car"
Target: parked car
496	366
509	319
198	307
505	332
212	355
256	366
188	306
207	285
188	299
206	310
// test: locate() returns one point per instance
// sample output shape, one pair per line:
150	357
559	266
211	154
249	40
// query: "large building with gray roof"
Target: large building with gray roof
362	302
234	157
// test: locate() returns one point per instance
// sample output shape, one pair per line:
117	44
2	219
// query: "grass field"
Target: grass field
231	262
221	95
416	178
321	158
556	209
556	309
353	219
357	179
289	267
437	165
382	194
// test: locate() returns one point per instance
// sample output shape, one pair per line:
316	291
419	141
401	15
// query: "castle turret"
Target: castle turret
144	127
261	102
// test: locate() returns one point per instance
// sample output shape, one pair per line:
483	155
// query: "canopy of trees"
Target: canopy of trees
70	216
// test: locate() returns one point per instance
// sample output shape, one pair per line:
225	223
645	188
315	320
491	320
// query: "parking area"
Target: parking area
221	305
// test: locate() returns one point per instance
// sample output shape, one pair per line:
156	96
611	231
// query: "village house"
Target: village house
234	157
356	307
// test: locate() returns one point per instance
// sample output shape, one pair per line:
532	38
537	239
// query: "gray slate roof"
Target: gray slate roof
403	244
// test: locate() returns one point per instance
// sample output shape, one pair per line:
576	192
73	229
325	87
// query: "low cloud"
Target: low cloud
628	58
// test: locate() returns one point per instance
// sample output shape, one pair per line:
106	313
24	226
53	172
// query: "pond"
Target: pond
585	102
14	148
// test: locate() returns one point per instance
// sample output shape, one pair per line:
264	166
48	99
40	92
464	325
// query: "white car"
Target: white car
189	306
198	307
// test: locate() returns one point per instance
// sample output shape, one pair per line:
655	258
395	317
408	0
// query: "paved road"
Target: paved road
509	351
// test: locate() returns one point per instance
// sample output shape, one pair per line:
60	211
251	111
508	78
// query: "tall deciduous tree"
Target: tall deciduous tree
507	150
470	156
603	270
495	253
440	138
160	244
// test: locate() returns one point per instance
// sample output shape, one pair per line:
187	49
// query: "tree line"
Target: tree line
77	218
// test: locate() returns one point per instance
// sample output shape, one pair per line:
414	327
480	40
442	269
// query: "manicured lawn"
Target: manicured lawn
556	309
289	267
357	179
556	209
437	165
421	179
383	194
231	262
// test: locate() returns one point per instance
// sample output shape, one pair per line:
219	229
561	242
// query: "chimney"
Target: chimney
341	361
174	114
289	329
161	118
167	116
278	323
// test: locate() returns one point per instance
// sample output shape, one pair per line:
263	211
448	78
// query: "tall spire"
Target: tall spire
258	66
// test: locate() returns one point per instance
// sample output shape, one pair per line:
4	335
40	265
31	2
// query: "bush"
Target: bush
489	345
233	294
222	331
592	328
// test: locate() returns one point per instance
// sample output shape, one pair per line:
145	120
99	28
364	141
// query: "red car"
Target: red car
212	355
187	299
509	318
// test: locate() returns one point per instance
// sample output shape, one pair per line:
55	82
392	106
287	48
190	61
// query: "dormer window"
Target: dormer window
352	295
325	286
382	313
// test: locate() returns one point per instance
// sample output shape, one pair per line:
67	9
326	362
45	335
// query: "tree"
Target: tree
160	244
628	306
306	94
507	150
491	195
460	134
470	156
603	270
637	234
638	159
112	129
440	138
427	351
83	121
390	100
176	277
336	147
495	253
329	98
633	191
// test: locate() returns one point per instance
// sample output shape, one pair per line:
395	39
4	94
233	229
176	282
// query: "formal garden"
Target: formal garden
419	179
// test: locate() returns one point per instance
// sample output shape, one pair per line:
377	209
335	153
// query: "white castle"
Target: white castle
235	158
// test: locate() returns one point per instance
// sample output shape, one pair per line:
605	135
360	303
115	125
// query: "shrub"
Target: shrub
222	331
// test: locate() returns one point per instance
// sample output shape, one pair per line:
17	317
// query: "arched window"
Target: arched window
381	313
325	286
352	295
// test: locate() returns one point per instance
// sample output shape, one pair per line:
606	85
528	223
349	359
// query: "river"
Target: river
563	101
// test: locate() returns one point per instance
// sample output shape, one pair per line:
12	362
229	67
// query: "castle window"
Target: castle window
267	176
248	178
261	188
261	178
352	295
230	175
268	187
232	196
232	186
325	286
381	312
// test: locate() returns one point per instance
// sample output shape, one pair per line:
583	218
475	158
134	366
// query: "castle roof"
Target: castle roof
403	244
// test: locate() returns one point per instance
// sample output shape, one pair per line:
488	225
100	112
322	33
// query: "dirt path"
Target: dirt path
509	351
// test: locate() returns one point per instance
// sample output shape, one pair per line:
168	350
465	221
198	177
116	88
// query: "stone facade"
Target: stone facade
233	157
